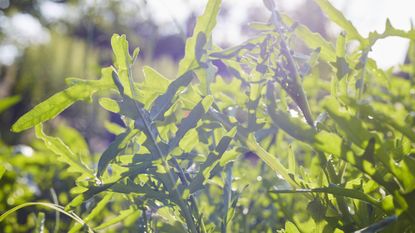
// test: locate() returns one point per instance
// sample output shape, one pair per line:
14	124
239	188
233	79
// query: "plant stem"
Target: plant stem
183	206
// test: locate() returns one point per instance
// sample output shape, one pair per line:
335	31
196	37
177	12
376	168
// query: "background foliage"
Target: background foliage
290	133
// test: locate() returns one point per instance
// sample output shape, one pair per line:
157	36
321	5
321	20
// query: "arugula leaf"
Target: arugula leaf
205	24
60	101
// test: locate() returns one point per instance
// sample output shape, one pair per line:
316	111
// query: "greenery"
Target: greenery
298	135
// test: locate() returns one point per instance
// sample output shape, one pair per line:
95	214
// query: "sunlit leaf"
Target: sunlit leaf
122	60
94	213
154	84
314	40
204	24
337	17
121	216
65	154
54	105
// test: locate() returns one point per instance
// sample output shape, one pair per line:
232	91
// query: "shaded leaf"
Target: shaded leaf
163	102
191	120
337	191
377	227
212	160
119	144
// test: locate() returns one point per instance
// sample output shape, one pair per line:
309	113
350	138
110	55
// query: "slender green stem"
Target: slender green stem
227	196
183	206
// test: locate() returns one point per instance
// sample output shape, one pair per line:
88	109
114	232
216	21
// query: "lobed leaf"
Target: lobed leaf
313	40
337	17
60	101
122	60
154	84
204	25
65	154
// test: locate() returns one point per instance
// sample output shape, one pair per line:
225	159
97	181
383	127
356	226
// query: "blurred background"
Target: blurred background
42	42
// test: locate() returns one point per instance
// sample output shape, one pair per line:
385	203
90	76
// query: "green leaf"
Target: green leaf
259	26
120	142
135	54
113	128
342	67
8	102
60	101
313	40
352	127
109	104
269	159
191	120
65	154
127	107
292	164
381	114
405	173
120	217
212	160
154	84
122	60
2	171
330	143
379	226
131	187
74	140
291	227
47	205
391	31
293	126
162	103
341	45
337	191
189	141
337	17
204	24
109	182
238	50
